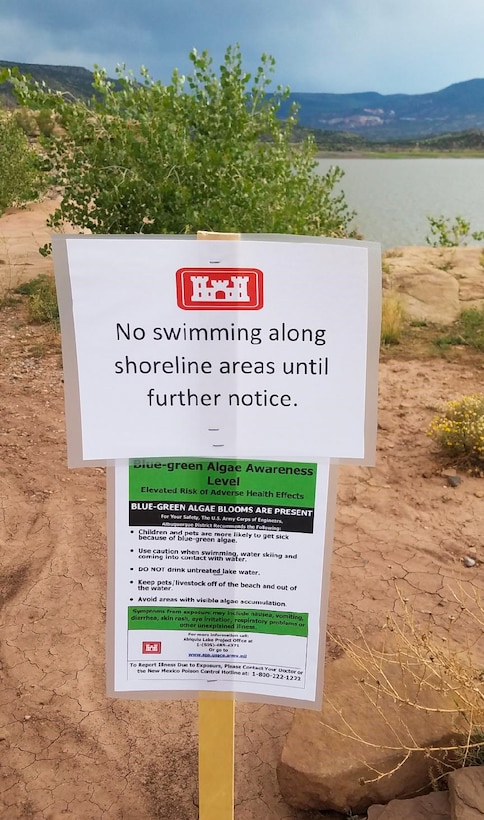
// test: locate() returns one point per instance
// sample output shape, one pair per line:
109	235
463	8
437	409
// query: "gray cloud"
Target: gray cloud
319	45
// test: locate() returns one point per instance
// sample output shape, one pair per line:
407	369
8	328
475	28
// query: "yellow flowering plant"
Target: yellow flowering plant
459	429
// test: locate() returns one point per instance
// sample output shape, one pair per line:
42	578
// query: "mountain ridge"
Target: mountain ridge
377	117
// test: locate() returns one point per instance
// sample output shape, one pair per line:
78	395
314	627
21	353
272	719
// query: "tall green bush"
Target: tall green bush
205	152
20	171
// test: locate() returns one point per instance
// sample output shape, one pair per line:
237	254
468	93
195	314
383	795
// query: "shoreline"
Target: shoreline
399	154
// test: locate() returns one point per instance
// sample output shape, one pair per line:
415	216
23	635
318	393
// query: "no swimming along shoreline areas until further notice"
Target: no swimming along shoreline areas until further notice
286	379
268	495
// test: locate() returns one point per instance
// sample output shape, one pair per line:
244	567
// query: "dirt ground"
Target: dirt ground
67	751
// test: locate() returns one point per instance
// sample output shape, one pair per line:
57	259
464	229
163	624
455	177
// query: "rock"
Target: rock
453	480
469	562
323	767
466	793
430	295
434	806
435	284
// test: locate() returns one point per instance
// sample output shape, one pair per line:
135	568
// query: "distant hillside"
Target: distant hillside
465	143
376	117
472	140
70	79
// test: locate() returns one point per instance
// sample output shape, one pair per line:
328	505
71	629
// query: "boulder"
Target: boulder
466	793
429	296
434	806
435	284
333	758
463	801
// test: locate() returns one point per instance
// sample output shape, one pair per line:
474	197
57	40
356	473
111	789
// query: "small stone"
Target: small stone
453	480
27	717
469	562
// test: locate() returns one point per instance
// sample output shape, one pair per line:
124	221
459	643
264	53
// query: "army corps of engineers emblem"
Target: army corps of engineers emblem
220	289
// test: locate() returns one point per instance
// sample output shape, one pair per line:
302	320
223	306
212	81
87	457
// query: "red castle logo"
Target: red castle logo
221	289
151	647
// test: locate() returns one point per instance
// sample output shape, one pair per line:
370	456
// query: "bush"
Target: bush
26	121
459	429
447	234
45	122
20	167
205	152
429	672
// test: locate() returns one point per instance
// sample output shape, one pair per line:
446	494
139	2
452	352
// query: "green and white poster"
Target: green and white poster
218	570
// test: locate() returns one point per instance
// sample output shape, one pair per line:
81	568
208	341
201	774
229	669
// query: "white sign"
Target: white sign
257	348
215	578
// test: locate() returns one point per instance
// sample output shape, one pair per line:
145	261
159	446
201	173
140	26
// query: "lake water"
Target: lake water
393	197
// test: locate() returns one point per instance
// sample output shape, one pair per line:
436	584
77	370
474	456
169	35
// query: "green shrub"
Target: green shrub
447	234
20	167
205	152
459	429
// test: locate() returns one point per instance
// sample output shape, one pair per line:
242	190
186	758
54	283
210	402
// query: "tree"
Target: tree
205	152
20	166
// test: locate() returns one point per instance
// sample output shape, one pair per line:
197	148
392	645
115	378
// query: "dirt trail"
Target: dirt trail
69	752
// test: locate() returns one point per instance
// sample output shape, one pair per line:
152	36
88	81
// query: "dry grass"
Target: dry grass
392	319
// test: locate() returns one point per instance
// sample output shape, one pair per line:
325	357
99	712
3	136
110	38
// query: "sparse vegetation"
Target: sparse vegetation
42	300
468	330
446	265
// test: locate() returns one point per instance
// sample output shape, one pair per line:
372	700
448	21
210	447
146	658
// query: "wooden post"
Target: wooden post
216	726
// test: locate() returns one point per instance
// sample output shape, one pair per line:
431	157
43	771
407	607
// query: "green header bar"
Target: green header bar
209	619
282	484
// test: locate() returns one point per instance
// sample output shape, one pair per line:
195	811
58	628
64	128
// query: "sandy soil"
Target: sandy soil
67	750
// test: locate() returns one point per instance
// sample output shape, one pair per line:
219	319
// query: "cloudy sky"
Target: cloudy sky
390	46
